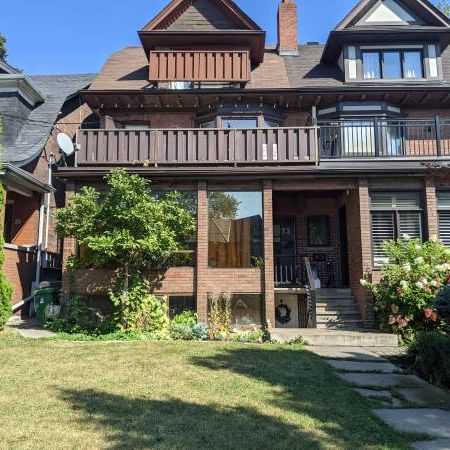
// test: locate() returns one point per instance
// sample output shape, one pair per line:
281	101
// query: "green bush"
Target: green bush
200	332
409	283
220	315
186	318
429	355
181	331
256	336
5	287
442	305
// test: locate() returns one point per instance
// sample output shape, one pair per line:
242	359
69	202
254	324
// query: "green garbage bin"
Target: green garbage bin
42	298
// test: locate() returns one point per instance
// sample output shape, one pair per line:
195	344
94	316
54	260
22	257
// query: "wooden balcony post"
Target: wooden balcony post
437	122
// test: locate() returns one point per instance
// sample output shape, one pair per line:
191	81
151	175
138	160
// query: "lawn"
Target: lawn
178	395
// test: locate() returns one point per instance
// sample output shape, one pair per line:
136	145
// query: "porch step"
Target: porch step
335	338
337	309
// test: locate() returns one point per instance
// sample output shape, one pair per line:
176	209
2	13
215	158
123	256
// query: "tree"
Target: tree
444	7
3	51
223	206
5	287
128	229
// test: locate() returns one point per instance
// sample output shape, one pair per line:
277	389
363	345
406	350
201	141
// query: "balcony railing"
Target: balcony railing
379	138
198	146
346	139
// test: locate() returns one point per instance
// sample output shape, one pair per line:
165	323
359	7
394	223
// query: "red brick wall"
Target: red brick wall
287	27
25	218
19	270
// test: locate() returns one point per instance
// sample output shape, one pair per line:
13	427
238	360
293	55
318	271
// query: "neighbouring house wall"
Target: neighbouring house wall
20	271
25	218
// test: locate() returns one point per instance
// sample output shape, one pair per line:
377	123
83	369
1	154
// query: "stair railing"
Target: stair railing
311	295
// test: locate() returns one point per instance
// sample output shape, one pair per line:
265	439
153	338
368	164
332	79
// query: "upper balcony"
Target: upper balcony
361	139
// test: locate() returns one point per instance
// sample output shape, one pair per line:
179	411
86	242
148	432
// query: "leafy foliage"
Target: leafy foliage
186	318
222	205
252	336
442	305
5	287
429	355
128	229
220	315
444	7
3	51
405	295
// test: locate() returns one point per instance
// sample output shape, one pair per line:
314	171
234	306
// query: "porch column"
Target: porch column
69	247
269	285
431	209
202	252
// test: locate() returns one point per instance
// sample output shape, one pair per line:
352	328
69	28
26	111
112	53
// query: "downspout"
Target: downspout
50	179
39	243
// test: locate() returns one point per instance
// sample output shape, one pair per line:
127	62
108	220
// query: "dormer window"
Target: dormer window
392	64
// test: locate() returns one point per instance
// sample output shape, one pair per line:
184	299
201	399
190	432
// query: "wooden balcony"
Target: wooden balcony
165	147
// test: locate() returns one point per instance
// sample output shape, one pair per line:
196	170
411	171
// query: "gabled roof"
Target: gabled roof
423	9
39	124
203	14
6	68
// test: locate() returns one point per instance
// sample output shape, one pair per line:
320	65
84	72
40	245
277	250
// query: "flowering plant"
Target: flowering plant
409	282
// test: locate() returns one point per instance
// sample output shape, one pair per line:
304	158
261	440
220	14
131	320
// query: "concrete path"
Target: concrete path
409	404
29	328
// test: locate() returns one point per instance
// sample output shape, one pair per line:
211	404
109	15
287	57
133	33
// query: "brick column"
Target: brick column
269	286
69	245
431	209
202	252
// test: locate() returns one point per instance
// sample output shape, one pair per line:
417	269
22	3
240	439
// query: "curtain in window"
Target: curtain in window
359	138
412	65
371	64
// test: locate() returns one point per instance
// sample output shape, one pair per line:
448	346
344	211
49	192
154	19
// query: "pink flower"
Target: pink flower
392	320
434	316
399	291
428	313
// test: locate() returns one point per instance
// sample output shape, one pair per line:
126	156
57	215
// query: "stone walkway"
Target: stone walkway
407	403
29	328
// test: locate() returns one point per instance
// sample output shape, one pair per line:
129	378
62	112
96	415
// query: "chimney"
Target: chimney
287	28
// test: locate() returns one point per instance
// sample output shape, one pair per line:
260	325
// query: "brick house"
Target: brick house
302	159
29	108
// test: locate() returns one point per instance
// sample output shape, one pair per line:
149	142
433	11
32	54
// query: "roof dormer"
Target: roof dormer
388	23
202	41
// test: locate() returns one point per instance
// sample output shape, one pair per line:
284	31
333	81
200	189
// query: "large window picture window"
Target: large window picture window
394	215
443	202
392	64
235	229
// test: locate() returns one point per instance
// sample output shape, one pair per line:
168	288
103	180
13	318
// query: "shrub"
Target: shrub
5	287
220	315
200	332
429	355
257	336
405	295
186	318
442	305
181	331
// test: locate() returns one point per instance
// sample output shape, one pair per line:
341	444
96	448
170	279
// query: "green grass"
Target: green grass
177	395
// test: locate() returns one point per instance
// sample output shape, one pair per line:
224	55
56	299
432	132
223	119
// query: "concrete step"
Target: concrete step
338	316
341	325
329	309
331	291
335	338
336	303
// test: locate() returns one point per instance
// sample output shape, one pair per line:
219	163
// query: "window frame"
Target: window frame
381	63
441	209
396	212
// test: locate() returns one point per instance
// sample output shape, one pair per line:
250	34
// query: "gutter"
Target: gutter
27	176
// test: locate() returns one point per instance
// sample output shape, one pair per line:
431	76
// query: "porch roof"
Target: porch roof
22	182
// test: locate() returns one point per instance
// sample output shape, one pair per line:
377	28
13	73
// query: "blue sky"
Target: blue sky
48	36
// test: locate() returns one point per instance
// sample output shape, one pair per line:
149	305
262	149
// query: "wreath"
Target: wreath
283	313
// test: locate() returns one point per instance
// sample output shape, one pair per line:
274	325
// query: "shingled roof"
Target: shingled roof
127	69
38	126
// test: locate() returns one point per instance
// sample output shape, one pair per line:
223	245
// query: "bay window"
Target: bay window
394	215
392	64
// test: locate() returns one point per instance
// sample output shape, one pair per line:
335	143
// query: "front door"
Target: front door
286	272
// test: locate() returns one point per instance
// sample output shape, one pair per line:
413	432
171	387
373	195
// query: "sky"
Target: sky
54	37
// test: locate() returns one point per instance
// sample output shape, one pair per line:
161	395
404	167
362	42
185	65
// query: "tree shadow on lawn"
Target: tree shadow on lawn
173	424
303	406
308	386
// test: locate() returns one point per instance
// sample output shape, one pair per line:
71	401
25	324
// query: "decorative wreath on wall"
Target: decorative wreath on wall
283	313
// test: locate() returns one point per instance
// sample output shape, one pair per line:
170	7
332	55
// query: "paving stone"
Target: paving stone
352	366
429	396
368	393
438	444
433	422
29	328
357	353
382	380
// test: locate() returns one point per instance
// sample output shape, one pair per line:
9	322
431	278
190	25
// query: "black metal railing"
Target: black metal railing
384	138
288	271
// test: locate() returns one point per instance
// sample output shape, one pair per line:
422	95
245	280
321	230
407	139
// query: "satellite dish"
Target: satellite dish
65	144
